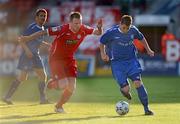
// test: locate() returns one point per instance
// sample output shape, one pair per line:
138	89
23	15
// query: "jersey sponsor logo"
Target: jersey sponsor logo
125	44
71	42
68	34
132	36
117	37
78	36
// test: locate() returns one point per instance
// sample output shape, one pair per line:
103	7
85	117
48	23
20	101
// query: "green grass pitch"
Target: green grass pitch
93	103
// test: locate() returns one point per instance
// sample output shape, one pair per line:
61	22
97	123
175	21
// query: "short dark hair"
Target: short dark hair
75	15
126	19
40	10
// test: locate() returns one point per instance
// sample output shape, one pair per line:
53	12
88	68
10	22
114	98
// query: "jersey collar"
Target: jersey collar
73	31
40	27
119	30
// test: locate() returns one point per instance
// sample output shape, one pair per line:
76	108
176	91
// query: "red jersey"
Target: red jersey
66	41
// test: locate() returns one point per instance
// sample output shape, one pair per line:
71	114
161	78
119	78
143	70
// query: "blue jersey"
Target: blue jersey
26	63
119	46
35	44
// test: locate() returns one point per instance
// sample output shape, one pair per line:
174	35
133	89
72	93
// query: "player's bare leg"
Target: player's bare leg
67	93
52	83
14	85
61	84
64	98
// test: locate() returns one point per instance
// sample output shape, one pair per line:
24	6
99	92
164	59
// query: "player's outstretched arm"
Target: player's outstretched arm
32	36
148	49
99	29
104	56
45	43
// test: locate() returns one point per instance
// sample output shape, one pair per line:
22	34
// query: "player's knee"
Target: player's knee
62	85
43	78
71	89
137	84
21	79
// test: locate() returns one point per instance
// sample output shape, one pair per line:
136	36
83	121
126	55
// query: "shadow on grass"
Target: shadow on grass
61	120
4	105
21	117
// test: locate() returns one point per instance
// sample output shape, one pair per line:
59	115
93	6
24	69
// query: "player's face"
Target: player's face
75	24
124	28
41	18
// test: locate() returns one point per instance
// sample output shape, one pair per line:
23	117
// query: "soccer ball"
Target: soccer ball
122	107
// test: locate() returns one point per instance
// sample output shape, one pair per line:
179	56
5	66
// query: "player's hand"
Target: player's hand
104	57
150	53
100	23
22	39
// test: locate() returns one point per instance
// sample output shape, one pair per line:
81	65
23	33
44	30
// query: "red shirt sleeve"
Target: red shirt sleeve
55	30
87	29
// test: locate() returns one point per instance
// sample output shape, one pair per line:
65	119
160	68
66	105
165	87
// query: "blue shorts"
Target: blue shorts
122	70
27	64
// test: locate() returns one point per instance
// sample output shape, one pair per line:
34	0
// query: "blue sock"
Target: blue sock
42	87
13	87
142	94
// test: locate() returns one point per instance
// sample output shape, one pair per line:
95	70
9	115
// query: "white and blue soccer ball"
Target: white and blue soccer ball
122	107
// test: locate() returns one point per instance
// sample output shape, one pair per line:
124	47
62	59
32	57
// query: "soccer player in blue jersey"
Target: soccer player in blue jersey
116	46
30	59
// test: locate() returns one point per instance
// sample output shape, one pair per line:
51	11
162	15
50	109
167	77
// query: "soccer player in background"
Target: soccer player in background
63	65
30	59
116	46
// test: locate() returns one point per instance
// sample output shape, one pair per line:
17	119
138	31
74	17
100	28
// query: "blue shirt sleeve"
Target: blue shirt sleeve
104	38
138	34
26	32
32	28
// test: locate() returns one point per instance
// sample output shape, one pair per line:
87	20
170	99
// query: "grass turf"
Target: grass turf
93	103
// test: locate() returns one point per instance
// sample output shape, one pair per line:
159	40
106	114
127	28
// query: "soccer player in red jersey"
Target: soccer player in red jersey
62	63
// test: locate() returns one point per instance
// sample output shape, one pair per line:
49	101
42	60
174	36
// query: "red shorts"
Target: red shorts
63	68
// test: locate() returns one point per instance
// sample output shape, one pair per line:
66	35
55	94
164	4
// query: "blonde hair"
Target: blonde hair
75	15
